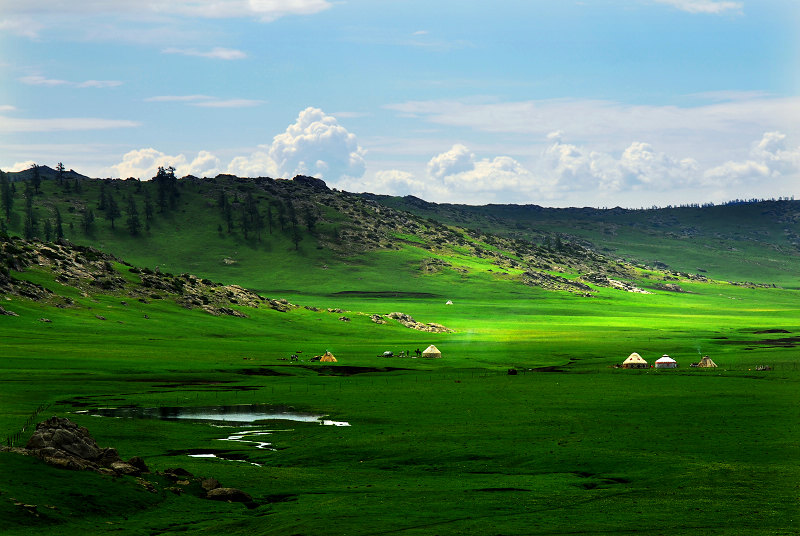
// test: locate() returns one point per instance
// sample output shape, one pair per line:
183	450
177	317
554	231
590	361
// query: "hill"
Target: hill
745	241
298	237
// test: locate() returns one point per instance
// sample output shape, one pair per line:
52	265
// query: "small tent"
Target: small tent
634	361
706	362
432	351
327	358
449	302
666	361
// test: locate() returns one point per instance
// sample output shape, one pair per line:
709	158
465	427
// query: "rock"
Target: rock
63	435
45	320
378	319
123	468
139	464
229	494
177	473
409	322
210	483
344	318
5	312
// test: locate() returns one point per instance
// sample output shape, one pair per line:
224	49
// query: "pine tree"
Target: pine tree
148	209
112	210
37	179
87	221
31	225
102	204
59	229
48	230
7	194
133	222
60	170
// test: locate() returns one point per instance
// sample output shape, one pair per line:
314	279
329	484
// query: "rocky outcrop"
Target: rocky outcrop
229	494
409	322
62	443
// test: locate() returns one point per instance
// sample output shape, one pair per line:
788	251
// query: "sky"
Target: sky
604	103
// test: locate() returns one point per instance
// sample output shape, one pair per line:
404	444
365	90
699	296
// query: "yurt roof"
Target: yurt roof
634	358
431	350
665	359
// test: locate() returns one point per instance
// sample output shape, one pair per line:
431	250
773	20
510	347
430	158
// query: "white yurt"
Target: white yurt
666	361
634	361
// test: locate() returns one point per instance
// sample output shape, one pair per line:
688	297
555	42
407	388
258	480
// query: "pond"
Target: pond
239	417
231	415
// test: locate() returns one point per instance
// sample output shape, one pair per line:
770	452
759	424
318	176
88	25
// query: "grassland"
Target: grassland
568	445
448	446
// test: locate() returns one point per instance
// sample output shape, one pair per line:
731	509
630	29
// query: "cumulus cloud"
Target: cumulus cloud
21	166
144	164
217	53
703	6
258	164
769	157
457	160
317	145
639	165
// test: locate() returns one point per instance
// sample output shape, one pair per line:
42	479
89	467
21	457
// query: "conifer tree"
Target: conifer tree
133	222
36	181
59	229
7	194
112	209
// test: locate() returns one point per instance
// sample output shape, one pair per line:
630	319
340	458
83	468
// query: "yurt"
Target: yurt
666	361
634	361
706	362
327	358
449	302
432	351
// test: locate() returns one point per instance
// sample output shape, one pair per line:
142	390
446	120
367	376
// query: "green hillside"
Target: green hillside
747	241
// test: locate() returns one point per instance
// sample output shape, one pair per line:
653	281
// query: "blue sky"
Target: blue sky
552	102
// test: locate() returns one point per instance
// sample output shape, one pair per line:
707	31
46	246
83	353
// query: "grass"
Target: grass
446	446
451	446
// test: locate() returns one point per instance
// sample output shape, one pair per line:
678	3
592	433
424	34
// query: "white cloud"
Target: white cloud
144	164
265	10
703	6
63	124
230	103
458	172
99	83
205	101
258	164
317	145
457	160
7	108
21	166
23	26
178	98
217	53
769	157
38	80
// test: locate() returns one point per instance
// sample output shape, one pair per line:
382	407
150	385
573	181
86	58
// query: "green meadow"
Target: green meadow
567	444
448	446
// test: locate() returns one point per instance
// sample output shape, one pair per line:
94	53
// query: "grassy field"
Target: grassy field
448	446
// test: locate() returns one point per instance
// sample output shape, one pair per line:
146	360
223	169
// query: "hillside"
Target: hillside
294	237
743	241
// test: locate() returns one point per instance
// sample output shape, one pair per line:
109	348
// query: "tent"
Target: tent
328	358
449	302
706	362
666	361
634	361
432	351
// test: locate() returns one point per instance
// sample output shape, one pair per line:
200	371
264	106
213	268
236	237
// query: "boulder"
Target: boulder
229	494
209	484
